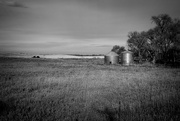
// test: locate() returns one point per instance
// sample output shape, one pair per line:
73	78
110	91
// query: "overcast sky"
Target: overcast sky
75	26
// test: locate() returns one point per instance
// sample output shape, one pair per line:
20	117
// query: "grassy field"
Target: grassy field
87	90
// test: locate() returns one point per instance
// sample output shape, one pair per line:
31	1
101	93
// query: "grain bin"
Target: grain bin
111	58
126	58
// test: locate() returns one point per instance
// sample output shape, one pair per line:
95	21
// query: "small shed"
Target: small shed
111	58
127	58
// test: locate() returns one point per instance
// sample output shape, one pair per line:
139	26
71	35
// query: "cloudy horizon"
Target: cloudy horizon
75	26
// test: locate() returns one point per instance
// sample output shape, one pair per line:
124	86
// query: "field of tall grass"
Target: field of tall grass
87	90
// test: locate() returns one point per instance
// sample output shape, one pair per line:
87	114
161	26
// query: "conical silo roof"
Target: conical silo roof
111	53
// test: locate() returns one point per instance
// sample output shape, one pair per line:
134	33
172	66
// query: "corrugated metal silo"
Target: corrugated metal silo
111	58
127	58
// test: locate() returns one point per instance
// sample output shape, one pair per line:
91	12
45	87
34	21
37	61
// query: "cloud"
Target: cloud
12	3
16	4
73	26
105	45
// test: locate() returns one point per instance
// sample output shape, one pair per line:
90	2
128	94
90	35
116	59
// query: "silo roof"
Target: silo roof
111	53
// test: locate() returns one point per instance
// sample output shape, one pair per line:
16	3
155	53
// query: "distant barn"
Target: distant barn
111	58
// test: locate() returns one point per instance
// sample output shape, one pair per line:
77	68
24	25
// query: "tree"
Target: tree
165	39
161	42
118	49
137	43
153	46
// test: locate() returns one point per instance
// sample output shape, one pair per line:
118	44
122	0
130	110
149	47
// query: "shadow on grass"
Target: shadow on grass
168	110
5	107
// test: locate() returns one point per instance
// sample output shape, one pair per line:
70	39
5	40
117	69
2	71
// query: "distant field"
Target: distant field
48	56
87	90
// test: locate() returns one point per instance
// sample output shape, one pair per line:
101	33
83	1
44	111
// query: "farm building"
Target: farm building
111	58
126	58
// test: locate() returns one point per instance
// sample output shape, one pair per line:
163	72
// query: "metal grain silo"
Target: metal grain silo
111	58
127	58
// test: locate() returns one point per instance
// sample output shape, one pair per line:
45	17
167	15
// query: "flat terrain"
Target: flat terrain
87	90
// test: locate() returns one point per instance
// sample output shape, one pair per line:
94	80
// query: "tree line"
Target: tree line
159	44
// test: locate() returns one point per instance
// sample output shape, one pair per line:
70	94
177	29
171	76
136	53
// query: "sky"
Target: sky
76	26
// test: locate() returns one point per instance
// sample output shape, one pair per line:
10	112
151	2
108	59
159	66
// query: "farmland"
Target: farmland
87	90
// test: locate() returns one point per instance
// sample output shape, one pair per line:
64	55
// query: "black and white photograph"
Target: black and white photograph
89	60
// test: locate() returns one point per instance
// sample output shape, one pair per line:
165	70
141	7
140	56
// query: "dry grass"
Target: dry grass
86	89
